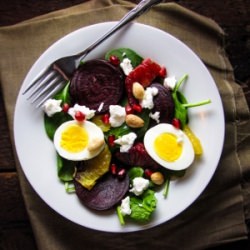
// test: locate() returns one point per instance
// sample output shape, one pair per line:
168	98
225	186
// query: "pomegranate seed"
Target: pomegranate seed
163	72
105	118
111	140
113	169
128	109
114	60
79	116
137	108
148	173
65	107
121	173
176	123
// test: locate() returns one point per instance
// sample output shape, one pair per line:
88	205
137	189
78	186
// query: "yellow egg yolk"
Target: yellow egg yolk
167	147
74	138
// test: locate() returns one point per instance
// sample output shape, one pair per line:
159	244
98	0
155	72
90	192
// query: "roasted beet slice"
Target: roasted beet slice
137	156
105	194
97	82
163	103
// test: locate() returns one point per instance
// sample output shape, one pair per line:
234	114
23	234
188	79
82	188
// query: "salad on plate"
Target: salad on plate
121	134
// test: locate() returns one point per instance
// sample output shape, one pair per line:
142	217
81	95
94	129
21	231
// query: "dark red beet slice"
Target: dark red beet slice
96	82
105	194
137	156
164	103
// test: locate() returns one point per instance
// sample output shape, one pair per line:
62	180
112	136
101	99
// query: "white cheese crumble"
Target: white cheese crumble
126	66
180	136
89	113
155	116
117	115
100	107
125	206
147	101
140	184
126	141
170	82
52	106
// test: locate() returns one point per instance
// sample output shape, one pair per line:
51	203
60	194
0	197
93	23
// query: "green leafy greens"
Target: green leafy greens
143	206
65	168
181	104
52	123
122	53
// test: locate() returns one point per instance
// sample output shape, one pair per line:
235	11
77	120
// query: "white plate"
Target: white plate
37	154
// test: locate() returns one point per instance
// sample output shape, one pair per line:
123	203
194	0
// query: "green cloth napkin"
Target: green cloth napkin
218	216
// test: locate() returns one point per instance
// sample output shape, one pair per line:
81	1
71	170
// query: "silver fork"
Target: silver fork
54	77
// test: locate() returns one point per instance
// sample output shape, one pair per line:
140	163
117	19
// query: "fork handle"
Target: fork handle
137	11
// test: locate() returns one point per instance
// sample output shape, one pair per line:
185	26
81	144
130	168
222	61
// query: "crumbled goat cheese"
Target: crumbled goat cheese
126	66
100	107
125	206
180	136
155	116
147	101
52	106
89	113
117	115
140	184
170	82
126	141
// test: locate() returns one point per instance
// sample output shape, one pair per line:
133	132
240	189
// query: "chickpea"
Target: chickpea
157	178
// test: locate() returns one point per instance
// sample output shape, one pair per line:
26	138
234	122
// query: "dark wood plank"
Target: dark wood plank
15	11
6	154
11	198
233	17
15	229
17	237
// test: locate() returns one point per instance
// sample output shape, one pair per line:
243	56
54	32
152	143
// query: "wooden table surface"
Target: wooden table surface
231	15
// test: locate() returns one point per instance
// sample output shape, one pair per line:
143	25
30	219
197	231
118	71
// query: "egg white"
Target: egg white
94	132
187	156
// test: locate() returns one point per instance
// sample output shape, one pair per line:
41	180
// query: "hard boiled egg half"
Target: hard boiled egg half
169	146
77	141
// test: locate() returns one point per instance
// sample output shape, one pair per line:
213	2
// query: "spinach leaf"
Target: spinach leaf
119	131
65	169
181	104
135	172
145	117
52	123
122	53
180	110
143	206
64	94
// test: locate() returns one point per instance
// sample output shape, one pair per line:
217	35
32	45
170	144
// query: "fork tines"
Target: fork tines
44	87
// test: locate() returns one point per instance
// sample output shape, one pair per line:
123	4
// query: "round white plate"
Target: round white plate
37	154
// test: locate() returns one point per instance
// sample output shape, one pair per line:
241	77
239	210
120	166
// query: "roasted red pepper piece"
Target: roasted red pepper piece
144	73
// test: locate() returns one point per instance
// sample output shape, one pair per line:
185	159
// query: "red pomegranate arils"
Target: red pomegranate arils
121	173
111	140
65	107
129	109
105	118
163	72
137	108
113	169
148	173
79	116
176	123
114	60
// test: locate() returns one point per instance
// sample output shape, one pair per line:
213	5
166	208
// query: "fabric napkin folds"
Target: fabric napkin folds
218	216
